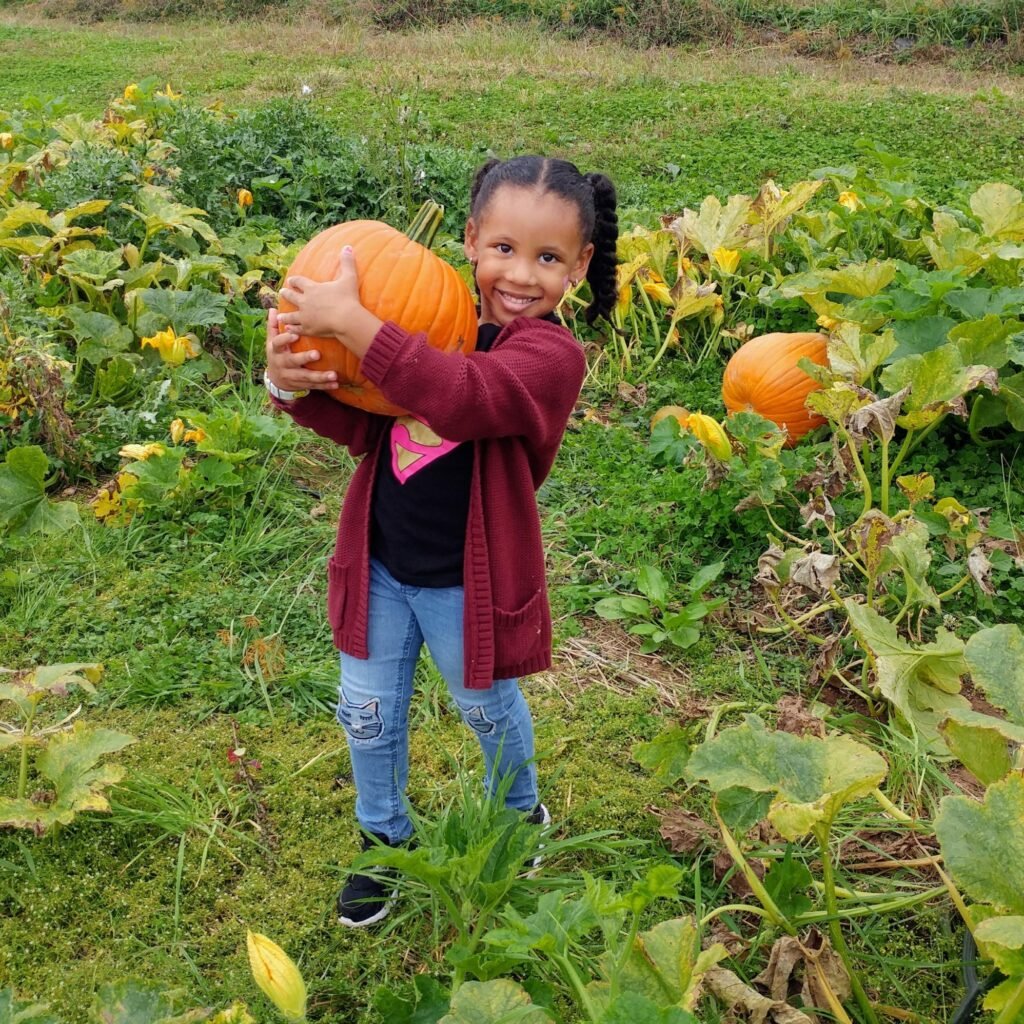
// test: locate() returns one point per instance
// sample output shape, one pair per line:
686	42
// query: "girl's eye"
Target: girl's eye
549	258
504	248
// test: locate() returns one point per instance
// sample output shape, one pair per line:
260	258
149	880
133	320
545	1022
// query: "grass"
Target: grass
670	126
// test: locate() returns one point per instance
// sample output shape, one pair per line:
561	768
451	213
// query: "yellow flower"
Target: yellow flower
174	350
141	451
244	197
830	323
180	433
106	504
656	288
132	93
148	172
169	93
709	432
275	972
850	200
6	140
727	259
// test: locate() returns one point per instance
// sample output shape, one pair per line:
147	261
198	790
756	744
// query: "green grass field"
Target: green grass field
180	611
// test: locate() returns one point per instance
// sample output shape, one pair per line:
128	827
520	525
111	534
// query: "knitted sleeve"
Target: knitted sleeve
525	386
356	430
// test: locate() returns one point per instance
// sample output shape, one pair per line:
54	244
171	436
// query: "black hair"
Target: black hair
594	197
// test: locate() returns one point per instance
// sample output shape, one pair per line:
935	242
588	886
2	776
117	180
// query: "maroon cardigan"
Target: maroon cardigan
512	403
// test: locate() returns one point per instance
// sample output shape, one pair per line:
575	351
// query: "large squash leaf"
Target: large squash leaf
24	507
983	844
494	1002
810	777
923	681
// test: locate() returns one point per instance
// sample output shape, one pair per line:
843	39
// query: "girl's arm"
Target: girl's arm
355	429
527	387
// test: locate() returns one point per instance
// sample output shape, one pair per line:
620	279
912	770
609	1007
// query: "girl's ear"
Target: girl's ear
579	271
469	243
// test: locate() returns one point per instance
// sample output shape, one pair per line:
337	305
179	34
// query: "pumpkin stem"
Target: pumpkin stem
425	224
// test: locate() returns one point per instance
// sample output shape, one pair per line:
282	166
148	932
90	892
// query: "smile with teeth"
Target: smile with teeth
516	300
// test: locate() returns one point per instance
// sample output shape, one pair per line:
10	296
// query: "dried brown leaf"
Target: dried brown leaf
728	989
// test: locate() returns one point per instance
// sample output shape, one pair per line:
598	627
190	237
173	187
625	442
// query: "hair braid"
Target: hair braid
478	180
601	272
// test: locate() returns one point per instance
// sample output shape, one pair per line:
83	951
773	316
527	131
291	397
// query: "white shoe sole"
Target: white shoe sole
379	916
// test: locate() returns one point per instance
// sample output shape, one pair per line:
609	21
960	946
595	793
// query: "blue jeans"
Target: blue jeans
373	704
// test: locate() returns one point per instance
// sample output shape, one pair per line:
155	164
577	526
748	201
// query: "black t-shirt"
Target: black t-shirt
421	499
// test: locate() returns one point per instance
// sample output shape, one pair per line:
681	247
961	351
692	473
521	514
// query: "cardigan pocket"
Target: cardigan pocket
519	635
339	580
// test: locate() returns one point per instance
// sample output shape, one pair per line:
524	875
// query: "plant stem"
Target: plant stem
889	807
959	585
742	908
836	930
886	476
774	915
864	910
570	972
865	483
26	740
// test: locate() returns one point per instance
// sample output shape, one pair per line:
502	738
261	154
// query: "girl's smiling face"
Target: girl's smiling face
527	248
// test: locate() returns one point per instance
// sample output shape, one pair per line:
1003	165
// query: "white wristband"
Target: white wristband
279	393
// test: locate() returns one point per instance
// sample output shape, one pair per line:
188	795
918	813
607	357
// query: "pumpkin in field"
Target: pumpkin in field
677	412
400	280
763	377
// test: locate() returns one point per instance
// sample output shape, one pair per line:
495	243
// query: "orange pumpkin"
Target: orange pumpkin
763	377
399	280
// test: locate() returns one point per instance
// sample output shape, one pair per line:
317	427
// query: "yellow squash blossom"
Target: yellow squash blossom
727	259
169	93
244	197
709	432
173	349
830	323
107	504
179	432
275	972
850	200
132	93
656	288
141	451
6	140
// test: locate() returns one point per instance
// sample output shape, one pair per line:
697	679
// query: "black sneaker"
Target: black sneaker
366	900
541	816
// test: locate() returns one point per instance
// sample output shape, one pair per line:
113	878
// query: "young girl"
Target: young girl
439	539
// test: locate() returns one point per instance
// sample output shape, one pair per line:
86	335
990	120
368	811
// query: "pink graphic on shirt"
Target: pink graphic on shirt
413	446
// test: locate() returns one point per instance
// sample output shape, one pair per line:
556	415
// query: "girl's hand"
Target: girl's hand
286	368
331	309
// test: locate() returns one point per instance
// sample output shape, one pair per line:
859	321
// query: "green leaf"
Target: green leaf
855	354
981	742
115	382
1000	209
633	1008
555	924
810	777
704	577
977	303
915	337
665	965
429	1004
983	844
684	637
14	1011
909	550
742	808
99	336
24	507
787	882
156	477
1001	939
184	310
995	657
133	1002
923	682
985	341
94	265
666	755
70	762
651	583
938	380
611	608
494	1002
861	279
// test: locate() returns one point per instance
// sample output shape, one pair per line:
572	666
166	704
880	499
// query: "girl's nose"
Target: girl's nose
522	272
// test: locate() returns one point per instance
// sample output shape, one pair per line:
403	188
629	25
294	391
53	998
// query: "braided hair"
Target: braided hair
594	197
